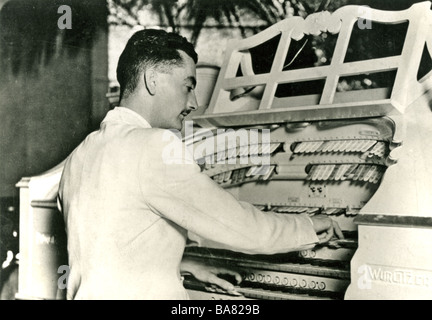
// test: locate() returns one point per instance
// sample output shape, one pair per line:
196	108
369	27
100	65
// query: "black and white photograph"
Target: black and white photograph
232	151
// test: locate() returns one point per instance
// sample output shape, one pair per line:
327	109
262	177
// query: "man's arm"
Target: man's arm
182	194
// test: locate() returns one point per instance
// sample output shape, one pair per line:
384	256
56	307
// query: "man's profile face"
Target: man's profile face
176	94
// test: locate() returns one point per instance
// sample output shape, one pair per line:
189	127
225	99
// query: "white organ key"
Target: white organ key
326	146
382	150
316	172
353	146
234	176
369	144
357	146
251	171
349	172
307	146
350	145
238	150
336	146
227	176
328	169
331	211
311	172
341	171
315	146
333	172
302	147
362	144
207	159
282	210
366	168
378	176
265	148
298	147
260	148
254	149
330	146
210	161
273	147
345	145
378	149
232	153
220	156
369	173
358	171
320	146
269	173
238	176
242	174
313	211
244	150
351	212
341	146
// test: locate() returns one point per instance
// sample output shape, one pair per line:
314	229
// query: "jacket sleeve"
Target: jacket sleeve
174	187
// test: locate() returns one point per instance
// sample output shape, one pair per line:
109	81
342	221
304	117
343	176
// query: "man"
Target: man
128	209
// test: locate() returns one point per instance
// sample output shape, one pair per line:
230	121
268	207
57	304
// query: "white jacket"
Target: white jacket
127	213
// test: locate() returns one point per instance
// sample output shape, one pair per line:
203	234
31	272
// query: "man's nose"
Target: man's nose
192	102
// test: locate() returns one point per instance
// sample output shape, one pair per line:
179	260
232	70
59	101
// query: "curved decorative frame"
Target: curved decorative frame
222	111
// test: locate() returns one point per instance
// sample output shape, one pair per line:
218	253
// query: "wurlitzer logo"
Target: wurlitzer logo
391	275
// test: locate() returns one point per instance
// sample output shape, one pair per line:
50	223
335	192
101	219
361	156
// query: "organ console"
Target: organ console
359	156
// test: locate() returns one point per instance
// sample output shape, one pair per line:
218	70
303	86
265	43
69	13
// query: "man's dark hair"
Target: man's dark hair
150	48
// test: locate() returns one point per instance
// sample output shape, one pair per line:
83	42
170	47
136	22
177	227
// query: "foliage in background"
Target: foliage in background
196	13
315	50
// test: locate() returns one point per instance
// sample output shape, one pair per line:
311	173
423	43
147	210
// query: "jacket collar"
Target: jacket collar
125	115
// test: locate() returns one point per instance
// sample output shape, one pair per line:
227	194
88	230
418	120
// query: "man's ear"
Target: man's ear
150	81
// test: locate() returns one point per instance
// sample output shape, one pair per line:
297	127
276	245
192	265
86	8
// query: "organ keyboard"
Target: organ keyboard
360	157
329	157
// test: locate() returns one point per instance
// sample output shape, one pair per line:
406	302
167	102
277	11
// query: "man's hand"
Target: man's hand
326	228
209	275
